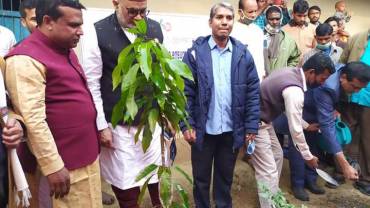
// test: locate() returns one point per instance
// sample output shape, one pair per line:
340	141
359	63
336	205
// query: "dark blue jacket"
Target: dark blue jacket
244	89
326	98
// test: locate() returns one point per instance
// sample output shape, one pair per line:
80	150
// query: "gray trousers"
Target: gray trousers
267	161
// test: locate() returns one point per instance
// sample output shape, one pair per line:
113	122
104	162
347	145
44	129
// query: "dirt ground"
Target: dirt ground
244	189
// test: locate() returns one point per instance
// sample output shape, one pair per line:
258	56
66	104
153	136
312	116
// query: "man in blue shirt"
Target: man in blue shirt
223	107
357	113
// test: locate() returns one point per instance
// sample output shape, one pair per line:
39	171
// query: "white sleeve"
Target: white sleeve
294	100
259	60
93	68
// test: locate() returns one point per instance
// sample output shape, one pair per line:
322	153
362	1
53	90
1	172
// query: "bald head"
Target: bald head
249	8
243	4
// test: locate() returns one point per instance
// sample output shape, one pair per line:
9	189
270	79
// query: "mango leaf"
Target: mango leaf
117	112
116	77
183	173
130	102
127	63
165	52
138	132
165	188
134	30
124	54
146	171
157	77
141	26
152	119
180	68
147	138
183	195
161	99
129	78
143	190
145	59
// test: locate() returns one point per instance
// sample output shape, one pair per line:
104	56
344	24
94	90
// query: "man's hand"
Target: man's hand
106	137
313	163
59	183
314	127
350	173
249	138
12	133
190	136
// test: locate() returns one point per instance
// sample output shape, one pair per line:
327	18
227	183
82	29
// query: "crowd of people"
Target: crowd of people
270	81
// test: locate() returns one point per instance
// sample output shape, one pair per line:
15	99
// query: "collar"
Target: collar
212	44
303	79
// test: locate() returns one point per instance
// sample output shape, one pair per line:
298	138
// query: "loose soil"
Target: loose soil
244	189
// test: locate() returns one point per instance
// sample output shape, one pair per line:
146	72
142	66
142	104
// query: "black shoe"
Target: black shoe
314	188
300	193
363	187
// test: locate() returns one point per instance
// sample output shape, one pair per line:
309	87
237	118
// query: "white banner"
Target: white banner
179	30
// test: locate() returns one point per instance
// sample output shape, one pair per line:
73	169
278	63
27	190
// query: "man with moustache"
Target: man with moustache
283	91
302	32
314	14
246	31
280	50
27	9
223	107
121	158
48	88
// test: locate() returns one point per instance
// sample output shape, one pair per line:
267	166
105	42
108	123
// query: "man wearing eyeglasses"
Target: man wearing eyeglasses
121	158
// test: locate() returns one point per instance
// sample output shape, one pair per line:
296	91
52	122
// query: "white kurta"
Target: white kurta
121	165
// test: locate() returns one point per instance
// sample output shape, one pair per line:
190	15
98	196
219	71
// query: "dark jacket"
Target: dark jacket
326	98
112	40
244	89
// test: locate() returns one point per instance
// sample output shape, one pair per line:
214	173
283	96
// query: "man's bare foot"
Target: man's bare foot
108	199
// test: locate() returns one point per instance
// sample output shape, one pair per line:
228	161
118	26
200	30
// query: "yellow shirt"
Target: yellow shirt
25	80
304	36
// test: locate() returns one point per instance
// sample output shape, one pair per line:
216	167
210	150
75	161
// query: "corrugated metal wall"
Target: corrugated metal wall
10	18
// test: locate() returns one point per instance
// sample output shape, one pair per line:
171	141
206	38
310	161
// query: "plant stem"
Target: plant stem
162	139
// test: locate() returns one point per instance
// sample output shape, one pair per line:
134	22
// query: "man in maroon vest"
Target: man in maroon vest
48	89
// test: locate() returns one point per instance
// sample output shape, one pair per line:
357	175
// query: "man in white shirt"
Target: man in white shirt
121	158
7	40
283	91
250	34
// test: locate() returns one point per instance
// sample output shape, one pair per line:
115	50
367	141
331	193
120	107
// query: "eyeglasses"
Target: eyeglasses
133	12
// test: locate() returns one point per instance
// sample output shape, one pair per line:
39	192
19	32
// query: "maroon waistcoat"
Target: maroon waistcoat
70	111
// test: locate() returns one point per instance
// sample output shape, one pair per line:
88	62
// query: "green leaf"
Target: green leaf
152	119
143	190
138	132
161	99
134	30
146	172
116	76
182	172
165	188
180	68
157	77
130	78
130	102
183	195
145	59
165	52
117	112
147	138
141	26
